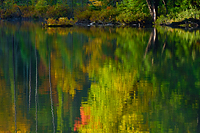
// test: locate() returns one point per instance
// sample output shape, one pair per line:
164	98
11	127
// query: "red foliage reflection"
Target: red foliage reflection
84	120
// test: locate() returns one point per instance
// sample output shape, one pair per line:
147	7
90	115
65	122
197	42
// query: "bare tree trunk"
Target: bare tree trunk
152	9
165	6
154	13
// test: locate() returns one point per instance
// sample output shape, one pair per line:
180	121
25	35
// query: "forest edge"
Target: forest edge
118	14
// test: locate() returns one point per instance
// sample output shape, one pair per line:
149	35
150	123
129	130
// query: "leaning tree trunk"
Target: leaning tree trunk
152	8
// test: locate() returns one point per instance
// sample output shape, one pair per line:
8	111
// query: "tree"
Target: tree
153	8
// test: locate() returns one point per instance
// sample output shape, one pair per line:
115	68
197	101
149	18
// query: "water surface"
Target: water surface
97	80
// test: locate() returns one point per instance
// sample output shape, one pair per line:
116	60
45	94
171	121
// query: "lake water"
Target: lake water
98	80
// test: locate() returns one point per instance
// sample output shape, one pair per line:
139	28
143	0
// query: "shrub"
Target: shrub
51	21
60	21
65	20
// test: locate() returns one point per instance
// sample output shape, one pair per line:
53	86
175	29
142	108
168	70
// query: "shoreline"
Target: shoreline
187	24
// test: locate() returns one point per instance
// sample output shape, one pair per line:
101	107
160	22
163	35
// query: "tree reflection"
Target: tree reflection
100	79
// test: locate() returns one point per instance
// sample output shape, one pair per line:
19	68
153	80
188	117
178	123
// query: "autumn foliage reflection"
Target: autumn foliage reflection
104	71
85	118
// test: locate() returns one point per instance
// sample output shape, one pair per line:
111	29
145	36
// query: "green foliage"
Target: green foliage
162	20
8	4
12	12
131	10
27	11
105	15
41	7
61	10
179	16
129	16
52	12
126	11
109	15
188	13
95	16
57	11
83	15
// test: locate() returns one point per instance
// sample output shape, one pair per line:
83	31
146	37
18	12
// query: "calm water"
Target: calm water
99	80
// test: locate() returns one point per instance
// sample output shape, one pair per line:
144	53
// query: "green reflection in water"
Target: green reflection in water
102	79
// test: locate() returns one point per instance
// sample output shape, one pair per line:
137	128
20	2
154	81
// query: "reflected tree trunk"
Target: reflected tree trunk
164	45
50	87
152	40
60	96
30	85
14	86
36	89
198	119
148	45
60	106
27	85
154	36
29	82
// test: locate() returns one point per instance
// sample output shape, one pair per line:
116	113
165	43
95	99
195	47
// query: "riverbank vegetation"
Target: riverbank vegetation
104	11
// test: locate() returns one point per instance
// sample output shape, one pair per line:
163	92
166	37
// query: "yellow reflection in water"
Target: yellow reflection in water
113	104
7	111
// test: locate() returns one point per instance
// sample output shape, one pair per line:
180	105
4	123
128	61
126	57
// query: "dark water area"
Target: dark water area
109	80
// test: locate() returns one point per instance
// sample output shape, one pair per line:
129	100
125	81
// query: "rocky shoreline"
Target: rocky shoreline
138	24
